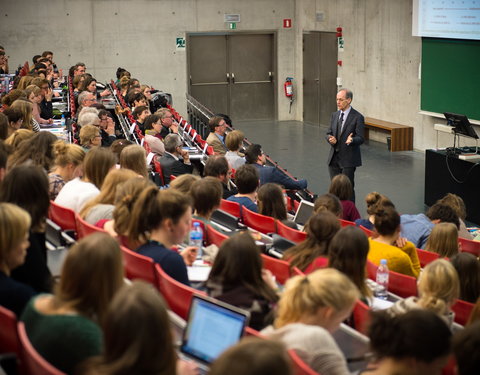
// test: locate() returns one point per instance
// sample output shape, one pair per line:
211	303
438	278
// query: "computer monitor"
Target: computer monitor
460	125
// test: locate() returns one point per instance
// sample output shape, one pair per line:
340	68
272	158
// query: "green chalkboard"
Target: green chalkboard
451	76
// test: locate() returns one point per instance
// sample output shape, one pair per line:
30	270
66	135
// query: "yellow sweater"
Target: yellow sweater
403	260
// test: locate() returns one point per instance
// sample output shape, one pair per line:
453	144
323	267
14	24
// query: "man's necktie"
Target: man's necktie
340	125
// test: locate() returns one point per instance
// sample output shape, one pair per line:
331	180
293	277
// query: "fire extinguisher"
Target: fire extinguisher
288	87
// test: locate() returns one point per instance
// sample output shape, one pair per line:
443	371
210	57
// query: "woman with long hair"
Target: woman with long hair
310	309
38	151
468	269
271	202
133	157
341	186
443	240
65	327
312	253
328	202
237	278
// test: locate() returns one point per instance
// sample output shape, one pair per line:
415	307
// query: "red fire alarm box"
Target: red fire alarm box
287	23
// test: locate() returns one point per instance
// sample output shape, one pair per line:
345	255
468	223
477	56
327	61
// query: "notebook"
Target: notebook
212	327
304	211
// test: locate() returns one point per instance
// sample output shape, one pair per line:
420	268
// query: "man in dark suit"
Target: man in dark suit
345	136
255	156
175	161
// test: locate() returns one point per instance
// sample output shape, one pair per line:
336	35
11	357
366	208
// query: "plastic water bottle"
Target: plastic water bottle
196	238
62	120
381	290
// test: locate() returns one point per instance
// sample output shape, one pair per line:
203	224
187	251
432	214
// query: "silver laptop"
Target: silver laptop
212	327
304	211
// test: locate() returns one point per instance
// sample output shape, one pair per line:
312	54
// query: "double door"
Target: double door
233	74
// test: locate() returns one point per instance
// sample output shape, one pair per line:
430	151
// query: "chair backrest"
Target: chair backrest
402	285
361	317
290	233
214	236
33	362
233	208
346	223
426	257
299	366
262	223
9	341
470	246
84	228
62	216
138	266
279	268
462	310
368	232
177	295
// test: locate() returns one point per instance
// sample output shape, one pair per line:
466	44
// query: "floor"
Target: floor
301	148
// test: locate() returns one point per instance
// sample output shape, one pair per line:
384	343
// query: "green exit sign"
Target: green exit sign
233	25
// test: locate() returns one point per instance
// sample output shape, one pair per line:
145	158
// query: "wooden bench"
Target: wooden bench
401	135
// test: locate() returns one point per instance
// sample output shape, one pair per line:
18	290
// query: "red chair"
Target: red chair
138	266
462	310
262	223
62	216
346	223
84	228
178	295
361	317
280	268
426	257
233	208
470	246
299	366
214	236
252	332
290	233
9	341
33	362
368	232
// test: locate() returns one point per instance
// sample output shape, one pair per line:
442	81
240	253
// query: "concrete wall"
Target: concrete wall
380	60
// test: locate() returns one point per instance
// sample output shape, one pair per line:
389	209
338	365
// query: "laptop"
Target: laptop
304	211
212	327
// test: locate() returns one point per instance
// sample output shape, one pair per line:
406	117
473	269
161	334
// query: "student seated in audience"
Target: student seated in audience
34	94
78	191
140	114
415	343
313	252
169	126
46	107
255	156
271	202
443	240
253	356
341	187
101	207
206	194
175	161
85	99
67	165
90	137
137	336
438	289
27	187
458	205
160	220
77	83
153	126
246	179
347	253
133	157
14	232
373	201
137	99
216	138
117	147
234	143
468	269
26	107
465	347
14	119
237	278
217	166
65	327
17	137
399	259
90	84
417	228
184	183
36	151
101	120
328	202
310	309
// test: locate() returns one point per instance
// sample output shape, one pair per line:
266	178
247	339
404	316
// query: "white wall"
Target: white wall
380	61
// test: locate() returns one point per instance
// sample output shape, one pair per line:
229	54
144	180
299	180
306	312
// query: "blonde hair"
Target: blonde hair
184	182
456	203
18	136
134	157
443	240
438	286
234	140
26	107
66	153
33	89
14	225
322	288
107	193
87	133
25	82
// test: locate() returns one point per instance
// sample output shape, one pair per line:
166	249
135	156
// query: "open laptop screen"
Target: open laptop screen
212	328
304	211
